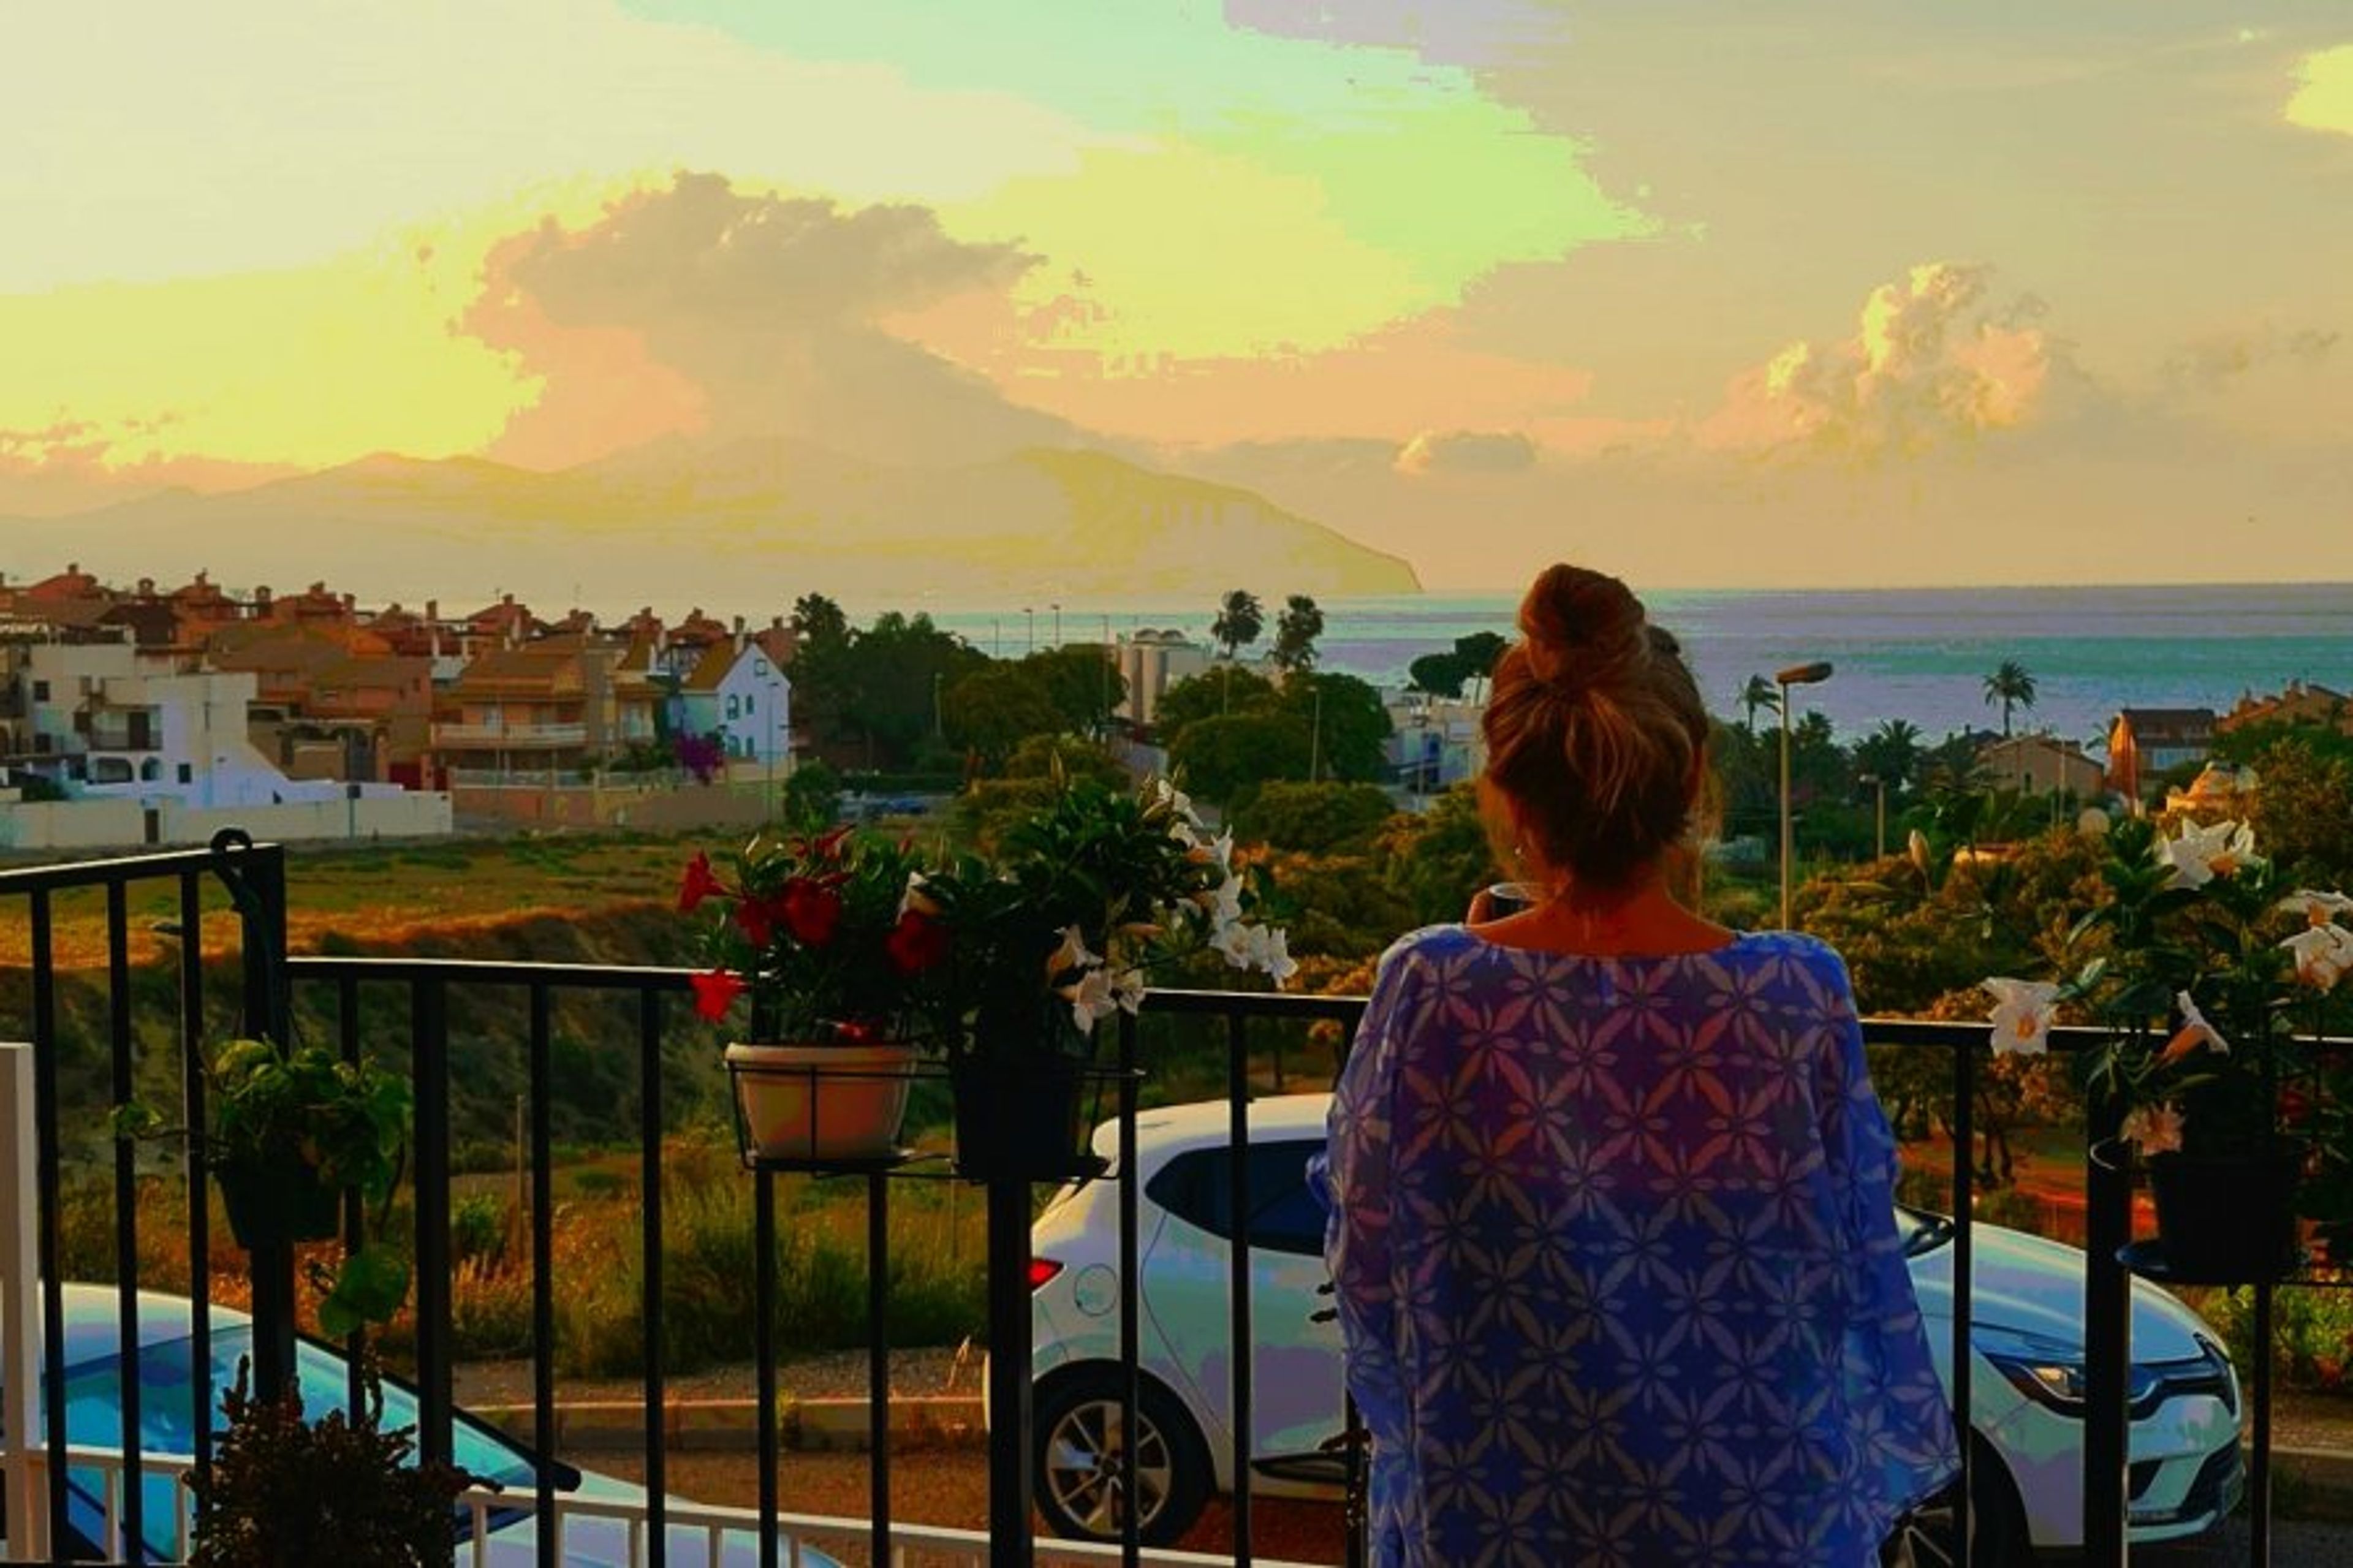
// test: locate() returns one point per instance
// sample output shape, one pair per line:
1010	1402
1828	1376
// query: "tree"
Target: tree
1227	689
1224	754
1241	618
1479	651
2304	811
1438	674
880	685
1438	858
1346	722
995	708
1891	753
812	797
1319	819
1296	632
2011	686
1080	682
818	619
1758	693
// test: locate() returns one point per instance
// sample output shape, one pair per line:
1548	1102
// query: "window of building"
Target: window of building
187	773
40	691
734	708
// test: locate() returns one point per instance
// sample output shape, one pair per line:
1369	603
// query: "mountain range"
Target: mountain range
743	528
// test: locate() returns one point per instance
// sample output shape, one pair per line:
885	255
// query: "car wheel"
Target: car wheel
1080	1488
1929	1536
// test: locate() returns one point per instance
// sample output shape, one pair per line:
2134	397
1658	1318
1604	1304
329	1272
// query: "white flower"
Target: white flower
2021	1015
1071	954
1272	954
1127	990
2194	1032
1175	799
1233	940
2317	908
2201	854
2324	956
2156	1129
1090	998
918	898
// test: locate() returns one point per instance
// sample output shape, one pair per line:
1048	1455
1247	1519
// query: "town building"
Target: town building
2040	764
1151	661
2167	737
739	692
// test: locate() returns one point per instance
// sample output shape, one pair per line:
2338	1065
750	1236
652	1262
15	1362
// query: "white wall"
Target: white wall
72	824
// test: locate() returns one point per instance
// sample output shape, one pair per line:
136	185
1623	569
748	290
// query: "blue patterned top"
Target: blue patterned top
1617	1262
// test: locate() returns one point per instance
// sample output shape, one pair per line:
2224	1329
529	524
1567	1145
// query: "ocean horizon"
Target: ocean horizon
1919	654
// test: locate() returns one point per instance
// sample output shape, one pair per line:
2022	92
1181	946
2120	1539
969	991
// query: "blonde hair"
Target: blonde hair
1596	733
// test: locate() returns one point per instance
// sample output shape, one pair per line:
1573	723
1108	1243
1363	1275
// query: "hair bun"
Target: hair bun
1582	626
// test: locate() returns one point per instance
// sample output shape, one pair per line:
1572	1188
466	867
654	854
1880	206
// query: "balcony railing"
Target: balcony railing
510	737
59	1491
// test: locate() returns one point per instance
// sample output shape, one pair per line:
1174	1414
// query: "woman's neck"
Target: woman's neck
1641	920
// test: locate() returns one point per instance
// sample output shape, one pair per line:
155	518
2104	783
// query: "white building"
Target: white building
1151	662
737	691
170	748
1434	742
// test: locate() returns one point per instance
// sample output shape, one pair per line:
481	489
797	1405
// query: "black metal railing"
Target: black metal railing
1256	1033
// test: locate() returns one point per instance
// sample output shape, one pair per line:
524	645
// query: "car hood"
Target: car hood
2024	1282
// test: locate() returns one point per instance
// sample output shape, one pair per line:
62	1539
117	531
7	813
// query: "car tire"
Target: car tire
1076	1457
1928	1536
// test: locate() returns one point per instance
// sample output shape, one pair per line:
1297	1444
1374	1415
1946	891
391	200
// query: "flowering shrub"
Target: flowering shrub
2211	979
1067	922
813	930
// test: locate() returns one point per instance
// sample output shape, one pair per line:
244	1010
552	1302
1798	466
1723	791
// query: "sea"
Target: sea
1919	654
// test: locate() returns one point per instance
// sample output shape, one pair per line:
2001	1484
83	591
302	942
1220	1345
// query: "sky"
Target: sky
1826	293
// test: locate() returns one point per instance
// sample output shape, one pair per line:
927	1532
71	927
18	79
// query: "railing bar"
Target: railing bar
878	1362
763	1350
44	1102
40	880
542	1270
1238	1154
429	1069
649	1133
347	1029
1965	1061
2259	1478
126	1207
1131	1349
200	1218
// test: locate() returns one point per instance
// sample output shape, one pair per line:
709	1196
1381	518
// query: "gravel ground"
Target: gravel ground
840	1375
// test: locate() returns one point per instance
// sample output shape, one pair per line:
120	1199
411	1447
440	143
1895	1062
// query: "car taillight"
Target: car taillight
1041	1271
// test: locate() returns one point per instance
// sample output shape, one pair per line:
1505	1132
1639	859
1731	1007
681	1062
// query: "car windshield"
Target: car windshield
166	1408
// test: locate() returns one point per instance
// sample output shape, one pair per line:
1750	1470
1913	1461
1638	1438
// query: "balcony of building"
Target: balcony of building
102	1023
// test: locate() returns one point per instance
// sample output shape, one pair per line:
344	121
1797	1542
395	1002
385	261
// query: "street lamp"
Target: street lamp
1057	608
1030	618
1796	675
1879	852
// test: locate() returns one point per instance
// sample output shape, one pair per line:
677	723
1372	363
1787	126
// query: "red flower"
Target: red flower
699	884
715	993
854	1033
916	944
755	919
2294	1106
810	910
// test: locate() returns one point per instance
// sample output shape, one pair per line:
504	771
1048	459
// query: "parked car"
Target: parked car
93	1378
2025	1389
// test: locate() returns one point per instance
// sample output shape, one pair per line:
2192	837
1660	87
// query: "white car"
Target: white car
2025	1391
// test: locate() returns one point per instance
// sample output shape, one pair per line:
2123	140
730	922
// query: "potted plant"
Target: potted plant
812	933
293	1128
2210	977
283	1491
1063	925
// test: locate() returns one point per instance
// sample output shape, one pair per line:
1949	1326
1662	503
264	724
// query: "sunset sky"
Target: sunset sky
1831	292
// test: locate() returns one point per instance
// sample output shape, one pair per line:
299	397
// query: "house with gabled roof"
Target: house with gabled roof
739	692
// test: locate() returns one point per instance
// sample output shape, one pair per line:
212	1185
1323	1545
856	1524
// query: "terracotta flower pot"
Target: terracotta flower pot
821	1104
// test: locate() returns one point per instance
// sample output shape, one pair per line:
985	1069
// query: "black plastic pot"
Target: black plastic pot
279	1205
1022	1114
2226	1219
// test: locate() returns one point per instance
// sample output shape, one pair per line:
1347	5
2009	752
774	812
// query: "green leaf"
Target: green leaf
368	1288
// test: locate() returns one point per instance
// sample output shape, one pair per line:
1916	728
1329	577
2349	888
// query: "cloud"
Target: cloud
1466	452
2323	100
2210	363
702	310
1933	363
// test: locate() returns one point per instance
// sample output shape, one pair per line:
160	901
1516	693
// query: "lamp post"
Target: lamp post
1880	840
1796	675
1056	607
1030	618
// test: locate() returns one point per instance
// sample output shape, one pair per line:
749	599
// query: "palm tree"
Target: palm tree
1240	618
1891	753
1760	693
1296	632
2011	686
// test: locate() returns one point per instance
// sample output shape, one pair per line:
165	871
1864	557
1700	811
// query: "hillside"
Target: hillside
740	528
